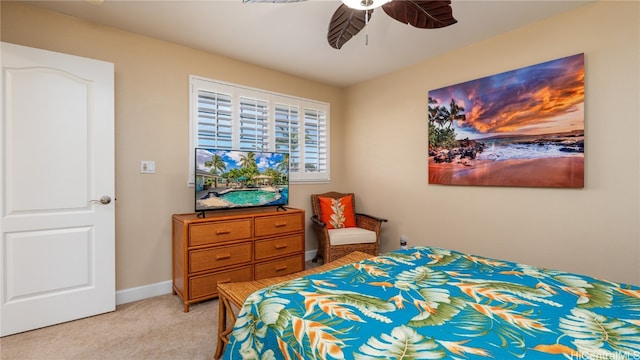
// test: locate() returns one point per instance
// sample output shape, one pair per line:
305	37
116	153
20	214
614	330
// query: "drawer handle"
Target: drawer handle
281	246
223	232
223	256
281	267
224	281
281	224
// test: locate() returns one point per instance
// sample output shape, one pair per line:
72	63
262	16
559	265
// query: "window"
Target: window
227	116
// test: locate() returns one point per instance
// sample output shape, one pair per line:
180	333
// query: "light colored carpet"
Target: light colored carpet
154	328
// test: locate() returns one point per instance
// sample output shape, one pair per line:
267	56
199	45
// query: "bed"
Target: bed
433	303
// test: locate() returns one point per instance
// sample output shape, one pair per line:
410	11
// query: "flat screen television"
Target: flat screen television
227	179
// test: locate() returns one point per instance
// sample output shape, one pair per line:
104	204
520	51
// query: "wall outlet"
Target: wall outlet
147	167
403	242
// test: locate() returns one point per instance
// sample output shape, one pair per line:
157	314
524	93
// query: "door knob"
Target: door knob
103	200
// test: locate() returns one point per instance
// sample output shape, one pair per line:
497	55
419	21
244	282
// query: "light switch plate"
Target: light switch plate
147	167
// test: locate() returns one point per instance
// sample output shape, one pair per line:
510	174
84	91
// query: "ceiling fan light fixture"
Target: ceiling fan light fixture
364	4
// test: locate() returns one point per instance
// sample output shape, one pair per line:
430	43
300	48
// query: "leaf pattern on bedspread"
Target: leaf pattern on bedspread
432	303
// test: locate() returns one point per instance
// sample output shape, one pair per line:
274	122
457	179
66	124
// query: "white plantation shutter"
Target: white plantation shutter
315	141
254	124
214	120
287	128
228	116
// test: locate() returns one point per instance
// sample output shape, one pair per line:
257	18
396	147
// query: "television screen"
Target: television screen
233	179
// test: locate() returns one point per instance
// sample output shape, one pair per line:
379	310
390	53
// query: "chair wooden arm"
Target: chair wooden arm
363	217
369	222
373	217
317	222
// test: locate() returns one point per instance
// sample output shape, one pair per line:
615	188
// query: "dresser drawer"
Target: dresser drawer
207	285
221	256
278	224
278	246
214	232
279	267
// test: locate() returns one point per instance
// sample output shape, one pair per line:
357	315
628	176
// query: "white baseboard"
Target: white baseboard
162	288
309	255
143	292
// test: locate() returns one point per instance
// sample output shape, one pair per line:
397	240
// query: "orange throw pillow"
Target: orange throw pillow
337	213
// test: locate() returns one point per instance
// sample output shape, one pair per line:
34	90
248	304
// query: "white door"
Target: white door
57	251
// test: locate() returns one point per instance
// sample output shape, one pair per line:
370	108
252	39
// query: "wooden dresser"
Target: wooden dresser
234	245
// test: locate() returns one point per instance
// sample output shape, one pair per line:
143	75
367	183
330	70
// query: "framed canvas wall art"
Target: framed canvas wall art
523	127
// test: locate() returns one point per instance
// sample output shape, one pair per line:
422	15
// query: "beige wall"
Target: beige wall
151	121
593	230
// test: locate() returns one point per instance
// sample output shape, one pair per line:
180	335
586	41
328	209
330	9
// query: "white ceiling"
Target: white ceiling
292	37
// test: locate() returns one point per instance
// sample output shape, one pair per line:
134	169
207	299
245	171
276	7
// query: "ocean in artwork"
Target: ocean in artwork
533	147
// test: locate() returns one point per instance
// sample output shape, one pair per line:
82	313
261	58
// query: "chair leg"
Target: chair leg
320	253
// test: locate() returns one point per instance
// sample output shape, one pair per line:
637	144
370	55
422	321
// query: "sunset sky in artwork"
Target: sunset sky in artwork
539	99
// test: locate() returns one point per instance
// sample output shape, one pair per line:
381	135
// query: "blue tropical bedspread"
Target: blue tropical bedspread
432	303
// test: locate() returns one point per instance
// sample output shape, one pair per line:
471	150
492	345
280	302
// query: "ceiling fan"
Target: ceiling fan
353	15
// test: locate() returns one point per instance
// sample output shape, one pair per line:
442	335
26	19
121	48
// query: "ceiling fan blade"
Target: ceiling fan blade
424	14
345	23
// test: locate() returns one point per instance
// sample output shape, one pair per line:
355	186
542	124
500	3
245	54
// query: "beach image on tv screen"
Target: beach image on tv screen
232	179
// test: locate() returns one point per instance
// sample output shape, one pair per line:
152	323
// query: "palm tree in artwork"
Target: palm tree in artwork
455	112
283	166
248	165
217	165
248	160
433	131
437	114
441	123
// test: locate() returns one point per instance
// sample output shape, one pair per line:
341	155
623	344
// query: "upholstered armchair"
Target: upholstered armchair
340	229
